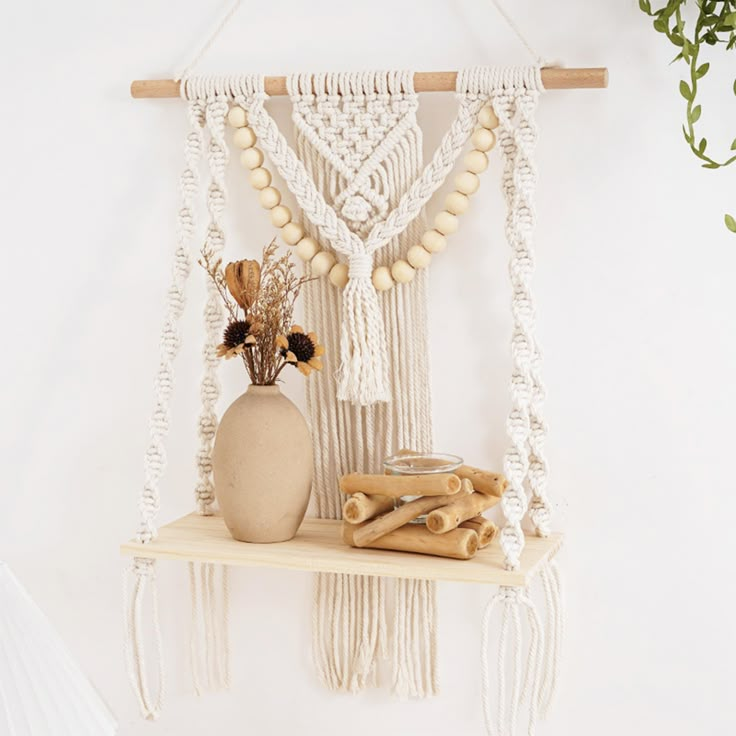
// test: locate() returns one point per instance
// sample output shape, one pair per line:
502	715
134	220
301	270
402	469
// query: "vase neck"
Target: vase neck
264	390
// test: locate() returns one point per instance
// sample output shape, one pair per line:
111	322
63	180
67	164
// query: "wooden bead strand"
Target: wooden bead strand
323	262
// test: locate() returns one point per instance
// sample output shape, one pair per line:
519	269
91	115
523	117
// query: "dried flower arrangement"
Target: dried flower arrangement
260	298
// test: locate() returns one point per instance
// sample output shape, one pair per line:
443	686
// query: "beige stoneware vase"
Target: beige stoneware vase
262	463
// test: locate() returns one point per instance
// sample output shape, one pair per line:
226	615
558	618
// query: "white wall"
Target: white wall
635	288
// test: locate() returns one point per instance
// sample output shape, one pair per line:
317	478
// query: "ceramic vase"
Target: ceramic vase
262	464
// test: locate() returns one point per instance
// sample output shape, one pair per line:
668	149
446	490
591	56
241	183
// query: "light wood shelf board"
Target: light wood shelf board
318	547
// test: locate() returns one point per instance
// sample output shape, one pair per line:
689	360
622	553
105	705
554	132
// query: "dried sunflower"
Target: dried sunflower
239	335
300	349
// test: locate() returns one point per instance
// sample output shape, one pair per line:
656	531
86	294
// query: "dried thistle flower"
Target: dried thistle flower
302	351
243	279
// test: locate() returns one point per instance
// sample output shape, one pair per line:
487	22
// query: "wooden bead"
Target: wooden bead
339	275
476	161
402	272
244	138
467	182
382	279
322	263
292	233
307	248
251	158
457	203
418	257
487	118
433	241
483	139
260	178
269	197
236	117
446	222
280	215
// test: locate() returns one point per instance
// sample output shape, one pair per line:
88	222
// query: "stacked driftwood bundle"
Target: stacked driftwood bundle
452	502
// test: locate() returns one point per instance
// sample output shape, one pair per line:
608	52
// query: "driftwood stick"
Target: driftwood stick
484	528
438	484
360	507
441	520
460	544
394	519
492	484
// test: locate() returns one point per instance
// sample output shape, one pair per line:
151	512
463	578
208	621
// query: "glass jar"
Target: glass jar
420	464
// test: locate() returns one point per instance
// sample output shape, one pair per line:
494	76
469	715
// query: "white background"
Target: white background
636	308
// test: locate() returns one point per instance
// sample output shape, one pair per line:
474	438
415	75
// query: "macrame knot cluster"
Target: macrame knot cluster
360	266
356	208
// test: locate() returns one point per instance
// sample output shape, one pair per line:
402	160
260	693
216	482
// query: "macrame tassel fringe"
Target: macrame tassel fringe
363	374
414	640
143	572
209	638
554	633
348	630
519	677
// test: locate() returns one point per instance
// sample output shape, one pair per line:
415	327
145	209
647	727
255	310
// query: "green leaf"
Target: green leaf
685	90
730	20
702	145
687	135
660	25
733	145
711	165
730	223
695	114
702	70
645	6
734	86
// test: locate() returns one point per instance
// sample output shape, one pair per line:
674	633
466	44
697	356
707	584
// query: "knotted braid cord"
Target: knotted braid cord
525	182
209	591
217	155
143	571
514	99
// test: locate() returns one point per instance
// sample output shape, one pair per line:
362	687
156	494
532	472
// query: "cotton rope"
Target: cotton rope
517	677
143	570
351	634
210	668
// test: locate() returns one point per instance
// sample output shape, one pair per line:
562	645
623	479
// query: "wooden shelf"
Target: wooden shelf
318	547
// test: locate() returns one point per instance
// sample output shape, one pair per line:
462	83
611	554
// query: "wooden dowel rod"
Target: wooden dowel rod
360	507
484	528
443	519
381	526
492	484
460	544
552	78
437	484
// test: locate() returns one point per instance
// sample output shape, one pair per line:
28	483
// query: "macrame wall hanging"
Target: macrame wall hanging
357	177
